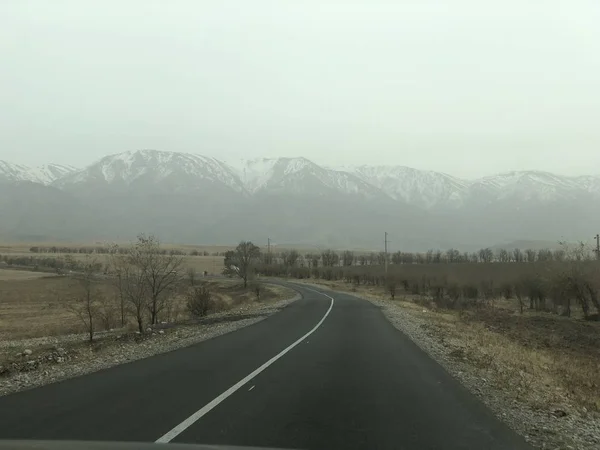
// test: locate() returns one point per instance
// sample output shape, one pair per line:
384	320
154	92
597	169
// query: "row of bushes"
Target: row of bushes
545	286
331	258
58	264
103	250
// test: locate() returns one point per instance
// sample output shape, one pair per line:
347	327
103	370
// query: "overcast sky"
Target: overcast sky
458	86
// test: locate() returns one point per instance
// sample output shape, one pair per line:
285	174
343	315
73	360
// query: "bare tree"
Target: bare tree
290	258
465	257
486	255
452	255
134	292
545	255
391	286
85	305
116	264
429	256
161	272
315	260
518	255
348	258
106	311
191	275
559	255
242	261
530	254
330	258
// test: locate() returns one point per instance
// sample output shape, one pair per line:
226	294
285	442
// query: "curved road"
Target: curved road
327	372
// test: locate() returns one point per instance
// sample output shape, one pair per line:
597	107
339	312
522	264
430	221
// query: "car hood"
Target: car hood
101	445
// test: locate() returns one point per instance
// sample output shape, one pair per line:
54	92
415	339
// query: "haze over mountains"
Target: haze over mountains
188	198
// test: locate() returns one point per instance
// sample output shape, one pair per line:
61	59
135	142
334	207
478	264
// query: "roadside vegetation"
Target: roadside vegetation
522	323
134	293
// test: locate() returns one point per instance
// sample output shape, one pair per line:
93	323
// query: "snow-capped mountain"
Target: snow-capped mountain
177	172
299	176
49	173
189	198
590	184
45	174
426	189
13	172
528	185
183	172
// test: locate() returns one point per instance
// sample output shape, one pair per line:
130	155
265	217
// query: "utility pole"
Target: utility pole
385	242
268	250
598	246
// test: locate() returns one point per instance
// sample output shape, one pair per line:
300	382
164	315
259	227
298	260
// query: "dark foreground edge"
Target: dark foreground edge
89	445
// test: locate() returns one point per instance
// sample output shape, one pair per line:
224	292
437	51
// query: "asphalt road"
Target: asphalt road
354	382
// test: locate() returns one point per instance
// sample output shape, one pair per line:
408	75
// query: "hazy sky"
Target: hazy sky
460	86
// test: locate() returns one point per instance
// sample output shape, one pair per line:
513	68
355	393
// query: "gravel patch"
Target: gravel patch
542	429
47	360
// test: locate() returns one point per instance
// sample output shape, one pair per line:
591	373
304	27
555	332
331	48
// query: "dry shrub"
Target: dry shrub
199	300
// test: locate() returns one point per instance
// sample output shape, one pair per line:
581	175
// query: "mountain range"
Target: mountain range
187	198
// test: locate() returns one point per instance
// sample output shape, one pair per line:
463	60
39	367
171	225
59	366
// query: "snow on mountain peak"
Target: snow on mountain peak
527	185
45	174
13	172
260	173
298	175
183	172
179	170
424	188
48	173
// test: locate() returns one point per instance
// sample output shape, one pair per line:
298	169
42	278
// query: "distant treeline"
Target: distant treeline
58	264
105	250
542	285
332	258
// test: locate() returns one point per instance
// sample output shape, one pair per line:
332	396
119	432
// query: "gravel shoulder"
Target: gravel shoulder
563	425
41	361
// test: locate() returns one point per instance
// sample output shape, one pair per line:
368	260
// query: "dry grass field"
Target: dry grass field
212	264
23	247
20	275
33	304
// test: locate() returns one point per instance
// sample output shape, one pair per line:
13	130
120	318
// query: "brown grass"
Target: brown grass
211	264
32	304
20	275
35	306
23	247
